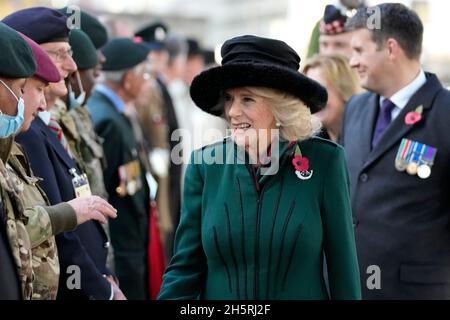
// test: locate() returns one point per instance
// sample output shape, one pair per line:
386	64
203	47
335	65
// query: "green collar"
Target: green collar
5	147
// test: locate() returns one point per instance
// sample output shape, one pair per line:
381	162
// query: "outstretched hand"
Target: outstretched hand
92	208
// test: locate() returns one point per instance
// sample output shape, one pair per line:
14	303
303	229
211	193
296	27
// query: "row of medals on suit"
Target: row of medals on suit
415	158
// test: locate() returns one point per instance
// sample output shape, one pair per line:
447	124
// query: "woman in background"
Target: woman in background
341	81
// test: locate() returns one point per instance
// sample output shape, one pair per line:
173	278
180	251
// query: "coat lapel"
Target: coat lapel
398	129
55	144
369	117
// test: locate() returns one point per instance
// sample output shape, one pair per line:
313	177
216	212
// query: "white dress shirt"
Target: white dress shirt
402	97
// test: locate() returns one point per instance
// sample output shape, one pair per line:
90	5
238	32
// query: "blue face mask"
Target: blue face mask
10	124
76	101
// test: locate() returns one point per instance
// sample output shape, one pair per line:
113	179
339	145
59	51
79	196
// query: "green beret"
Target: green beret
84	52
91	26
16	57
123	53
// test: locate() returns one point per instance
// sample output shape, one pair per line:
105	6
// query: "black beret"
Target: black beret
84	52
154	34
17	59
40	24
123	53
91	26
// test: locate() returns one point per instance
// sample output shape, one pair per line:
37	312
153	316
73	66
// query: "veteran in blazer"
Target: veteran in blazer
256	229
124	175
397	146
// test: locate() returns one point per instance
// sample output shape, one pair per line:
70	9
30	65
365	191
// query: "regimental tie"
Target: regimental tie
383	121
56	128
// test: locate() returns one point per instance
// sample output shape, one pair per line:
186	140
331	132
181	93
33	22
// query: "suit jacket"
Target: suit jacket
130	230
86	246
244	235
401	221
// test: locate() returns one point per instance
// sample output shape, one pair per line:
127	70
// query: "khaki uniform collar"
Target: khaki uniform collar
5	147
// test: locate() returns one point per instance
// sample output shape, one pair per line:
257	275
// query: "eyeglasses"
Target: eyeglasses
60	55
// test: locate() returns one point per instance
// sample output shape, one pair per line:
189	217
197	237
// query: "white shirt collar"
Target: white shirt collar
402	97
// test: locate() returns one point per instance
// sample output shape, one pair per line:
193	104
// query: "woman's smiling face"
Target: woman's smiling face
249	117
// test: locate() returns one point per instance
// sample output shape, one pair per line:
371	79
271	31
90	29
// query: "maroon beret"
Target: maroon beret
46	69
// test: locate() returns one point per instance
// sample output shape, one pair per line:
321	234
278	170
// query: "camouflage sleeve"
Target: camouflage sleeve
62	217
45	222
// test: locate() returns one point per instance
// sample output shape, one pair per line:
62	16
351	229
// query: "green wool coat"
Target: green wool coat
244	235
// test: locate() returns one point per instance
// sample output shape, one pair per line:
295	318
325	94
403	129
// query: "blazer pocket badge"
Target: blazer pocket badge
415	158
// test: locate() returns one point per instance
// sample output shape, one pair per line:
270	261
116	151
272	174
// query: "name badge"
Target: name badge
80	184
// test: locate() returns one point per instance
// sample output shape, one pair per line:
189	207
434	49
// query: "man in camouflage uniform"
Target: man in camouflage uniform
52	158
9	280
31	223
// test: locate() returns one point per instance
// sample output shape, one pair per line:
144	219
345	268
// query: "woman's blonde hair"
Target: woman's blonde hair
294	118
337	71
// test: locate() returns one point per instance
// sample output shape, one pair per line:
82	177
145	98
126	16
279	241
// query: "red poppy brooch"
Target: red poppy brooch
414	116
301	165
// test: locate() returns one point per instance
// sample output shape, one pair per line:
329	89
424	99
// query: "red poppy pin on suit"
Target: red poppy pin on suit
301	165
414	116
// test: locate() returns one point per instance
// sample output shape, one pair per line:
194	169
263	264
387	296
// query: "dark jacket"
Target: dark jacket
86	246
130	231
9	281
243	235
402	221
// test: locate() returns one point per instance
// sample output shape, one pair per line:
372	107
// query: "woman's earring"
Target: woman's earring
278	124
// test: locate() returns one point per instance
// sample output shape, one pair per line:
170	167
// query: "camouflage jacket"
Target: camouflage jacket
16	221
31	226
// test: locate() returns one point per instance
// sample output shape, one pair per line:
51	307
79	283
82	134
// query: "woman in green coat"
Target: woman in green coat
263	207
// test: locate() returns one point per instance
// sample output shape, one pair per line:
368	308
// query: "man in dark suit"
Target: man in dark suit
124	72
396	137
82	252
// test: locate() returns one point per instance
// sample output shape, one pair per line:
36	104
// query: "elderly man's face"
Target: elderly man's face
135	79
61	55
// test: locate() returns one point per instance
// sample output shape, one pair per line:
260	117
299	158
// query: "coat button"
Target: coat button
107	245
364	177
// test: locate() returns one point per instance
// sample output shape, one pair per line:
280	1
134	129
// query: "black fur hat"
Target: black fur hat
251	61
